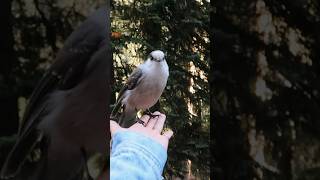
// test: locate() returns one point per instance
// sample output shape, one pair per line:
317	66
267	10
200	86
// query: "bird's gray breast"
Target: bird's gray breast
149	90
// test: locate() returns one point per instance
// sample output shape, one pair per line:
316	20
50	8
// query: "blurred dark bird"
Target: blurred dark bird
65	123
142	89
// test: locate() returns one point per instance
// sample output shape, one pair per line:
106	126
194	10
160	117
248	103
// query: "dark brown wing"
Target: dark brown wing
132	82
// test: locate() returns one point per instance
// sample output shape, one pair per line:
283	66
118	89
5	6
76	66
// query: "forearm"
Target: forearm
135	156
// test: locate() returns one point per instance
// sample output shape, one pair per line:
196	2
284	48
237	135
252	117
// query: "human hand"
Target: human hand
151	129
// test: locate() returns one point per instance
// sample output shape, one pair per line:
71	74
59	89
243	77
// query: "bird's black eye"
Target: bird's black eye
151	58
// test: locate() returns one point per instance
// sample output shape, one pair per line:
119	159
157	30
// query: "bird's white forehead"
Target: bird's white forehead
157	54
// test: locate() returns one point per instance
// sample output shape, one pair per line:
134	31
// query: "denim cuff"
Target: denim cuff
143	146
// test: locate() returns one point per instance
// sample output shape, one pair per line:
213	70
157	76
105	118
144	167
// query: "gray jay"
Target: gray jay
142	89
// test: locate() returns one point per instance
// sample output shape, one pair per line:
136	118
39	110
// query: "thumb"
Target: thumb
114	127
168	134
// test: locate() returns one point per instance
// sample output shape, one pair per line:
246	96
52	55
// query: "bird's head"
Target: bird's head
157	56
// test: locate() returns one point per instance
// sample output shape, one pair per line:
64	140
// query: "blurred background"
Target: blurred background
31	33
265	90
180	29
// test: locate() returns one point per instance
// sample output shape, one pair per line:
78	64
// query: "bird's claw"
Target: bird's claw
138	120
149	113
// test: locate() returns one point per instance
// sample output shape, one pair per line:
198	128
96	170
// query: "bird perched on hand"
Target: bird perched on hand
143	88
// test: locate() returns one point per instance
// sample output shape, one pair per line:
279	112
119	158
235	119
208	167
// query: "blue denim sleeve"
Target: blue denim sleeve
136	157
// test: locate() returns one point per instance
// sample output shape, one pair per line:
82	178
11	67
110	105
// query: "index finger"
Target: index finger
160	123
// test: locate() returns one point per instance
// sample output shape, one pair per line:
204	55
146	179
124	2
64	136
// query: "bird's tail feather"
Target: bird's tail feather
115	109
127	117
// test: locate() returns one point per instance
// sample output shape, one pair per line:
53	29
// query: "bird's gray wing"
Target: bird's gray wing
132	82
64	73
